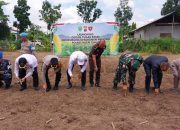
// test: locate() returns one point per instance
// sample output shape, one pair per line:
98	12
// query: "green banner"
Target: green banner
82	36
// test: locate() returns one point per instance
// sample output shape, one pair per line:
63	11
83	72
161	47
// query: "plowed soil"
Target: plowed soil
93	109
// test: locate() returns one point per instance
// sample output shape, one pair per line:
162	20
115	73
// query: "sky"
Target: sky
144	11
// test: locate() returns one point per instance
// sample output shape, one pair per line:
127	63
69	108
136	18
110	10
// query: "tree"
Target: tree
170	6
3	17
133	26
123	15
4	31
22	15
50	14
88	11
34	31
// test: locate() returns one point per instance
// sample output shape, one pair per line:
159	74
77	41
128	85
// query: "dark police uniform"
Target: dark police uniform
152	64
127	62
98	52
5	67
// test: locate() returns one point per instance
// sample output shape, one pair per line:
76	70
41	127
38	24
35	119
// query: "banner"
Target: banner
68	38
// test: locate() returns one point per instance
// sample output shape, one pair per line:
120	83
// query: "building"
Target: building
166	26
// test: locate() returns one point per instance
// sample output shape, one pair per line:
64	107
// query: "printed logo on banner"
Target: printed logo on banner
90	28
85	28
80	28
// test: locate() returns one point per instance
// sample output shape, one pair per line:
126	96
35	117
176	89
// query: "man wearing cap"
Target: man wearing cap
156	65
175	67
51	61
127	62
5	72
95	62
26	46
81	59
26	63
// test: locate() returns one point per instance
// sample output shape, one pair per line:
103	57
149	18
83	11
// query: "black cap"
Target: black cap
54	61
22	62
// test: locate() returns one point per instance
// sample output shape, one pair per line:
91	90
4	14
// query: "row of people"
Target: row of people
127	62
26	65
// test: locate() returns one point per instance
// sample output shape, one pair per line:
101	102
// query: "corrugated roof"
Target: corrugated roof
152	22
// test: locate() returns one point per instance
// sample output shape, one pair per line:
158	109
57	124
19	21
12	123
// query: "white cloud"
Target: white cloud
131	3
109	3
144	11
69	15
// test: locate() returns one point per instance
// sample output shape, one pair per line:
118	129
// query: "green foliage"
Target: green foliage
8	45
152	46
22	15
123	15
170	6
133	26
3	17
4	31
34	32
50	14
88	11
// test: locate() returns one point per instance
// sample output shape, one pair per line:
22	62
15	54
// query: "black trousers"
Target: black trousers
83	77
148	71
57	80
7	81
22	74
91	71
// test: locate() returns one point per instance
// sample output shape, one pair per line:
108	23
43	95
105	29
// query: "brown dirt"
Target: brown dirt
94	109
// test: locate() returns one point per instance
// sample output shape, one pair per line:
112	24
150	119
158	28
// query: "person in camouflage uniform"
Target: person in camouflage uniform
127	62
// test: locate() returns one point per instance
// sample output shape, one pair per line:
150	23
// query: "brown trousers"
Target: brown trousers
176	74
91	71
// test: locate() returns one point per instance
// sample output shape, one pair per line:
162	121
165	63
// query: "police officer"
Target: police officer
26	63
81	59
26	46
5	72
51	61
127	62
95	62
155	65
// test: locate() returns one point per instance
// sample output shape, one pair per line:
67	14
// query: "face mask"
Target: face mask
54	66
22	67
24	39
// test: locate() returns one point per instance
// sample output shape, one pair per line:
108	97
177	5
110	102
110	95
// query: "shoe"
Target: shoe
7	86
22	88
115	87
92	85
69	86
1	84
48	89
83	88
131	88
147	91
36	88
55	88
97	85
175	90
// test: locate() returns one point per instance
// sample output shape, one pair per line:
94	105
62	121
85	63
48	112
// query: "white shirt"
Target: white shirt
31	64
73	61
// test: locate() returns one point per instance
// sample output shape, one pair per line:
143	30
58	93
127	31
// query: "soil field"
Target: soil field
93	109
